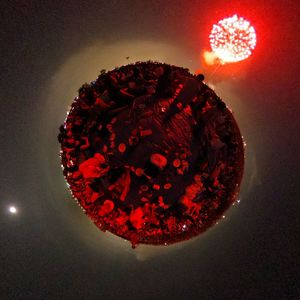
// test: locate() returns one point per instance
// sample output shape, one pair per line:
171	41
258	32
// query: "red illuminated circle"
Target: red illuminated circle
151	153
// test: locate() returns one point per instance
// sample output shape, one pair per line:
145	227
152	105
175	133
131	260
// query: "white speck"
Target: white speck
223	217
238	201
13	210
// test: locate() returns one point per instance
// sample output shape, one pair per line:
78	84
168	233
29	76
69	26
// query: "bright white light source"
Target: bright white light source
232	39
13	210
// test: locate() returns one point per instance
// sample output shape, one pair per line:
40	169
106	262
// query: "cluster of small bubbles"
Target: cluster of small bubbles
232	39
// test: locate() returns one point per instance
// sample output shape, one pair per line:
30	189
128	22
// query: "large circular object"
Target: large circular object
151	153
232	39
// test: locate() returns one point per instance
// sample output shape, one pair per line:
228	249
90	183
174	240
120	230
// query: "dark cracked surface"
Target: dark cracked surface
151	153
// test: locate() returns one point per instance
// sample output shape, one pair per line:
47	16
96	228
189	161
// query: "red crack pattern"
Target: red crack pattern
151	153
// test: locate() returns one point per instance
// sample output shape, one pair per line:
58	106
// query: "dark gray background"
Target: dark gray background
49	249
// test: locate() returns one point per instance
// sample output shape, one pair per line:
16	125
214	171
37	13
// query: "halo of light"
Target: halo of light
232	39
13	210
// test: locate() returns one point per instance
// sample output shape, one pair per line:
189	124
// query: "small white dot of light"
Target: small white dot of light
223	217
12	210
238	201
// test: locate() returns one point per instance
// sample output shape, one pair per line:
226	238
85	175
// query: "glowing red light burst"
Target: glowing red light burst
232	39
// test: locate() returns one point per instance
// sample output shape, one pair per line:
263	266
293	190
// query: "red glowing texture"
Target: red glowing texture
232	39
151	168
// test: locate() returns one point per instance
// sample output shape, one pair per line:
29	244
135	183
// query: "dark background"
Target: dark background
49	249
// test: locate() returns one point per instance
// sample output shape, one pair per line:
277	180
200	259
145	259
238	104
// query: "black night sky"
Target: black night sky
49	249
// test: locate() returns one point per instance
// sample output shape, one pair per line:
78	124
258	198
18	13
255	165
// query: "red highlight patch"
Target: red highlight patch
151	154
